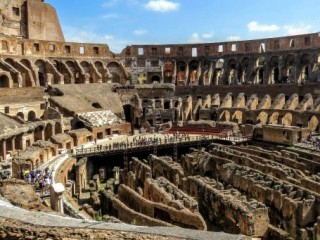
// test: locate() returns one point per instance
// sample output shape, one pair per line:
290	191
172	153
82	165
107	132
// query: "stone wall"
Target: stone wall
228	207
171	214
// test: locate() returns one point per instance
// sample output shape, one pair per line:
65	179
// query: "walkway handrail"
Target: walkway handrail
155	142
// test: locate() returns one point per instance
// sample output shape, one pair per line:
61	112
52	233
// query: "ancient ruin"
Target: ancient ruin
218	137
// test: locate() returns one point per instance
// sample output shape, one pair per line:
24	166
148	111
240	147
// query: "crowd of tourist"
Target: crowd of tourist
312	141
41	180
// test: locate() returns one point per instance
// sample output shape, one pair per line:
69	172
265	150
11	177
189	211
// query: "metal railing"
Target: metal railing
155	142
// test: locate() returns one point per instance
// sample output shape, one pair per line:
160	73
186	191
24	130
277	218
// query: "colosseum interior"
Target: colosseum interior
180	141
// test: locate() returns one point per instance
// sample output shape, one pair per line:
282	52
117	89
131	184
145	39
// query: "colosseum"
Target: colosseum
177	141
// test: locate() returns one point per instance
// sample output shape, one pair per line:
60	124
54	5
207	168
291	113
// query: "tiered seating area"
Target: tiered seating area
100	118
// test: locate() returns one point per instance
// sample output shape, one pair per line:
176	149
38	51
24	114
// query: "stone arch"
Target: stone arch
260	61
155	78
305	68
26	63
101	69
168	69
274	118
193	72
16	75
57	128
75	71
287	120
274	75
31	116
116	73
79	124
218	71
225	116
313	123
86	70
21	115
181	73
5	81
260	75
38	133
237	117
25	79
244	69
167	104
128	112
232	74
220	63
48	131
41	72
262	118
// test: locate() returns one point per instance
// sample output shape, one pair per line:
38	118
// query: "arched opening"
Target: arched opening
79	125
275	75
58	128
262	118
313	124
193	69
96	105
86	68
128	112
237	117
74	71
48	131
31	116
225	116
38	133
168	71
115	78
4	81
99	66
41	71
20	115
232	75
218	72
287	120
155	78
274	118
26	63
181	73
260	75
115	70
243	71
166	104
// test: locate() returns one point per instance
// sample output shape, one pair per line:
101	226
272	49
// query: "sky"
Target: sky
120	23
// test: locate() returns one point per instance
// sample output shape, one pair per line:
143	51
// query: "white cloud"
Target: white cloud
162	5
233	38
199	38
109	15
207	35
110	3
295	30
139	32
76	35
195	38
256	27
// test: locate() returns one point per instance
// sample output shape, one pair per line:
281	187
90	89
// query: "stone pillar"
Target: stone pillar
116	174
3	149
102	173
56	193
317	230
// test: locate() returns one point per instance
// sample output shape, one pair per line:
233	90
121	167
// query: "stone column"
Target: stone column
3	149
56	193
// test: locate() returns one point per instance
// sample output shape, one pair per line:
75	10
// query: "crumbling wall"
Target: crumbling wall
180	217
229	208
